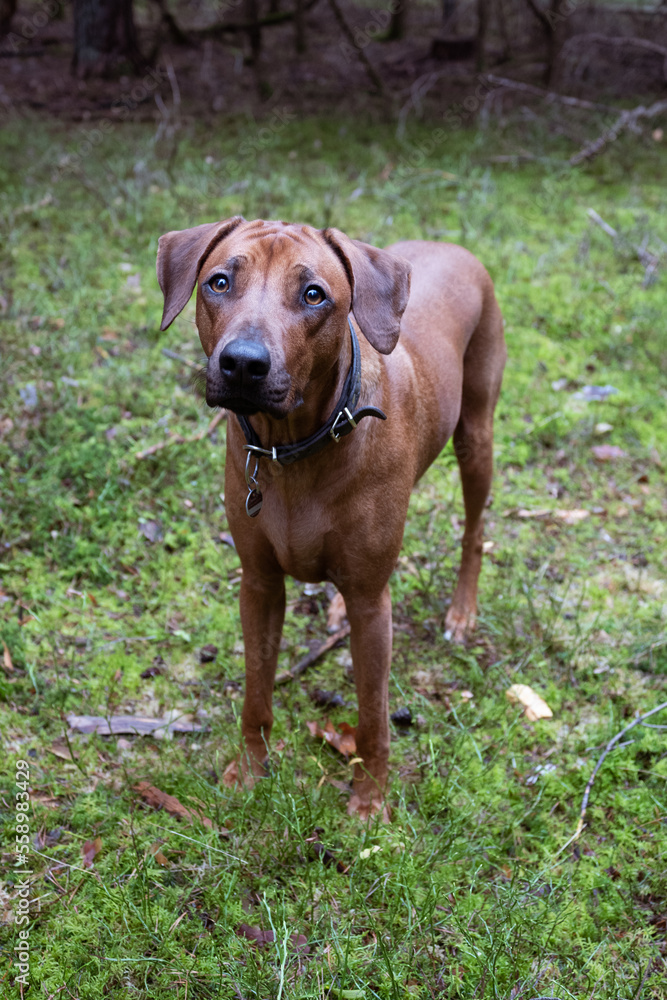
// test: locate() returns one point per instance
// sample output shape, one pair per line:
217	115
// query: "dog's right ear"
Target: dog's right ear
180	256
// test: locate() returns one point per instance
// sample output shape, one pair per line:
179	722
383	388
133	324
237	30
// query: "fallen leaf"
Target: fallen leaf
343	741
534	706
608	452
571	516
7	659
336	613
62	751
90	850
45	799
256	935
136	725
161	800
44	839
261	938
152	531
156	850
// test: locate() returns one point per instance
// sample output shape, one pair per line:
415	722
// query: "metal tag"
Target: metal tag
253	503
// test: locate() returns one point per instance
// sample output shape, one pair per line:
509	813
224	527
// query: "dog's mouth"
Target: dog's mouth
246	405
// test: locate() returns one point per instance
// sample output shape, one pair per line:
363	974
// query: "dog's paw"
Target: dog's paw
458	625
365	809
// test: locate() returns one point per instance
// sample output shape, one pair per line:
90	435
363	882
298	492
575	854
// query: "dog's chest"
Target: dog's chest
299	529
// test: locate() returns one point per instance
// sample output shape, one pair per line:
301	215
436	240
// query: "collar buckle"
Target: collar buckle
344	414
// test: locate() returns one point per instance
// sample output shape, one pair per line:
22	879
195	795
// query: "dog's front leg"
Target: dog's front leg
370	639
262	614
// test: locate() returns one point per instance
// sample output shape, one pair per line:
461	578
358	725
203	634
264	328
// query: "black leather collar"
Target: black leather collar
342	421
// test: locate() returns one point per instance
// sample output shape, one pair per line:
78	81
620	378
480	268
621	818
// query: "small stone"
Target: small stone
327	699
402	716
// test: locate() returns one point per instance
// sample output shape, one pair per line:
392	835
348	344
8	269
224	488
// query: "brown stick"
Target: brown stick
178	439
607	750
313	656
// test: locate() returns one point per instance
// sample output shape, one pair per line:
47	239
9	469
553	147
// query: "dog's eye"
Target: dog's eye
314	296
219	283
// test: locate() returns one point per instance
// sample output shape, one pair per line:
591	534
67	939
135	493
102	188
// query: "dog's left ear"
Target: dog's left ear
180	256
380	283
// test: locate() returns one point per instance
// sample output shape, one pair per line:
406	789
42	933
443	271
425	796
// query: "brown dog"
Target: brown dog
313	486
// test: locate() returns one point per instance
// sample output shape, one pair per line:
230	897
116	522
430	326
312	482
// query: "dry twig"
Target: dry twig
179	357
648	259
626	120
178	439
313	656
607	750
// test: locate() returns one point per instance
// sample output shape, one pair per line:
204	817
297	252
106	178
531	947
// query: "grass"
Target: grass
475	890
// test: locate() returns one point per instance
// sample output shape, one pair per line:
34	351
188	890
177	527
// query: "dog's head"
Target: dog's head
272	304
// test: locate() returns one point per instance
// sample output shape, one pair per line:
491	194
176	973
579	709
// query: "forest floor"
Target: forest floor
116	571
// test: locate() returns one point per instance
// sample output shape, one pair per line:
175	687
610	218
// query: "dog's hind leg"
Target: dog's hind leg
473	446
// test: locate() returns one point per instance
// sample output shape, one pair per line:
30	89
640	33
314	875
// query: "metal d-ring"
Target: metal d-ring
343	415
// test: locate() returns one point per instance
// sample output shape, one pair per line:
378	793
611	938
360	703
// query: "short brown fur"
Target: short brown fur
340	514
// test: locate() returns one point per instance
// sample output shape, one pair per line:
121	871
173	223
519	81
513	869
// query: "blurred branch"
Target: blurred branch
607	750
178	439
550	96
176	33
644	256
617	41
626	120
347	31
179	357
540	15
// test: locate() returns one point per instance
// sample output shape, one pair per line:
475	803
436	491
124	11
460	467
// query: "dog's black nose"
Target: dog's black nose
245	360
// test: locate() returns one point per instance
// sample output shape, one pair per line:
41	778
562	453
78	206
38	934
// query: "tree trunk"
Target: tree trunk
251	12
449	19
482	25
396	28
7	11
105	38
299	27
